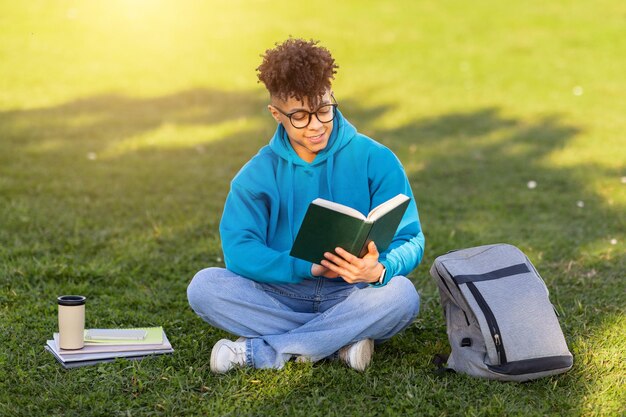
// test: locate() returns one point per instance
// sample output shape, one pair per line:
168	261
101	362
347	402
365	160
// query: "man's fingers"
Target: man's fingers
337	260
346	255
335	268
372	249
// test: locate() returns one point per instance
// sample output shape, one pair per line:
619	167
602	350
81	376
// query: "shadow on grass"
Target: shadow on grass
64	193
132	228
112	117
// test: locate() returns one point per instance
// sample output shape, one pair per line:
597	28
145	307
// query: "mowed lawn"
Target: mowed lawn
123	122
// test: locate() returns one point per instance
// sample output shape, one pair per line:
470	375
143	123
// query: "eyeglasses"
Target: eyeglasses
302	118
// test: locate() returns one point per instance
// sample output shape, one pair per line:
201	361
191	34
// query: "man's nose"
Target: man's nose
315	123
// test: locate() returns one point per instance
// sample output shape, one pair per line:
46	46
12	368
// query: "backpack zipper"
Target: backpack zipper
491	322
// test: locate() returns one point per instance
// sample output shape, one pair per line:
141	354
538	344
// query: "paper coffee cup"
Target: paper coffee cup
71	321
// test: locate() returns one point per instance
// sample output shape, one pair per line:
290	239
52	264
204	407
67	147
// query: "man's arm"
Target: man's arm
387	179
407	247
243	231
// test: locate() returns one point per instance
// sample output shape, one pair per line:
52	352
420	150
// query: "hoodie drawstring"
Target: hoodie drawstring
329	175
342	134
292	171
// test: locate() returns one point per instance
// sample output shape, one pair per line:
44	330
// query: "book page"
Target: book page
340	208
384	208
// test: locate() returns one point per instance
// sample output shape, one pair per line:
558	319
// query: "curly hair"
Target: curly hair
297	68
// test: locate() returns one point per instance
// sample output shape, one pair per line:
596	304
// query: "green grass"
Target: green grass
122	123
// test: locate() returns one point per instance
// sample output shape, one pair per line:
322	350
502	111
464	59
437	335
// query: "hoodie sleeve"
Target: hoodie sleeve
243	232
388	179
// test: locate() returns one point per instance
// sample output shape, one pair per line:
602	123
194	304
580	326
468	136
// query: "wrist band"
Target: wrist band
382	276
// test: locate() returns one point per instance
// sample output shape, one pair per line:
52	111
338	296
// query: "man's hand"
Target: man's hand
322	271
351	268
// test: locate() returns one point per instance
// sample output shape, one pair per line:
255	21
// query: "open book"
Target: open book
328	225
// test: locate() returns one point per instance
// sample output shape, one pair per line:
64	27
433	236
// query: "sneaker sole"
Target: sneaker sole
366	350
216	348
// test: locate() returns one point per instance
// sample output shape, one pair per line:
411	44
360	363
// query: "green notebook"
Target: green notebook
328	225
153	335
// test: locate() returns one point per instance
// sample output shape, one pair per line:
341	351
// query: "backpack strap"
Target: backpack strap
440	360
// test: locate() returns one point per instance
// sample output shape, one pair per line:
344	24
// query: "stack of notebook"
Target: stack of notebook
105	345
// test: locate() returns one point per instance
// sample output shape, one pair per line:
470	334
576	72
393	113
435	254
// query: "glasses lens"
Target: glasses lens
300	118
325	113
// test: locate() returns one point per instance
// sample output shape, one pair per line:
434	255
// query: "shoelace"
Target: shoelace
239	349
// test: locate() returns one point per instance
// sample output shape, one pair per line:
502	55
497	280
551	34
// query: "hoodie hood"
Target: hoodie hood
342	134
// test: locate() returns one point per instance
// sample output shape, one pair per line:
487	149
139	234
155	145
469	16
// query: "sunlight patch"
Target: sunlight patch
607	152
174	136
413	167
608	248
44	146
605	370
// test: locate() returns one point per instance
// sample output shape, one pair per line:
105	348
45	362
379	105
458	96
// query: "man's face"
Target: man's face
310	140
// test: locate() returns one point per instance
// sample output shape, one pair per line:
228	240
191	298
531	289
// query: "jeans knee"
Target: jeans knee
405	297
200	288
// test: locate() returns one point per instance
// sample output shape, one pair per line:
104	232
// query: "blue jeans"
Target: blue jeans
314	318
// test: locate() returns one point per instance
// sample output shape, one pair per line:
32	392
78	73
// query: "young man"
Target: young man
283	307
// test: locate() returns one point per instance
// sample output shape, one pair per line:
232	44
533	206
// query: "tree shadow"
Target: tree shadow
112	117
480	178
57	177
133	227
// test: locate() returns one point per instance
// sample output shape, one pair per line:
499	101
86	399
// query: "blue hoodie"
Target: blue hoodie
271	193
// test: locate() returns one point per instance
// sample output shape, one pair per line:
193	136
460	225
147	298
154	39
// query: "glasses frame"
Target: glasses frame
334	104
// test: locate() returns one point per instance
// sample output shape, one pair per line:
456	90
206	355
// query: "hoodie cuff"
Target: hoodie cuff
387	278
302	269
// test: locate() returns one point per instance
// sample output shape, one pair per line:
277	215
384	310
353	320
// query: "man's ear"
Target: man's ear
275	114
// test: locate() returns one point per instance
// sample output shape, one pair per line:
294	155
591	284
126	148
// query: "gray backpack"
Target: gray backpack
500	322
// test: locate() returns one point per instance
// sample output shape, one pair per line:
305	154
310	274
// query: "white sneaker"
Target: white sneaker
299	359
358	355
303	359
227	354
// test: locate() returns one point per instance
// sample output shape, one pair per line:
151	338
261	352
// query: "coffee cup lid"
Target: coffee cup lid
71	300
